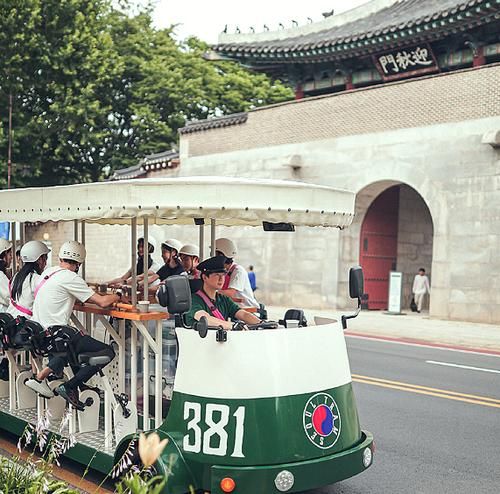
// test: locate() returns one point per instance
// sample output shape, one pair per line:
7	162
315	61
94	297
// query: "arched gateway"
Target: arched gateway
396	235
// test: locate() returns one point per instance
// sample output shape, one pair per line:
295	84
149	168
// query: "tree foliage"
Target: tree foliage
95	88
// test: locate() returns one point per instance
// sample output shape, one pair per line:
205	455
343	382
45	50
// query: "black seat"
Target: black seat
295	315
99	359
6	323
195	285
5	318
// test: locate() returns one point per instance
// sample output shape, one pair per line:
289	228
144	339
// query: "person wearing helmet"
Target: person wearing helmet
61	286
23	285
190	258
170	254
173	265
153	266
5	262
55	295
236	285
210	303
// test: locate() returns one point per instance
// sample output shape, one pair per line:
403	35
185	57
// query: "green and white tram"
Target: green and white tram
265	411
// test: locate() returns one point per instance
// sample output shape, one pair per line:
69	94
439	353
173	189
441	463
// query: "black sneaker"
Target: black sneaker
70	395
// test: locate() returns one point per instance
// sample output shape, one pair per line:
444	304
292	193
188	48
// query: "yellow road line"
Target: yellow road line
416	386
440	393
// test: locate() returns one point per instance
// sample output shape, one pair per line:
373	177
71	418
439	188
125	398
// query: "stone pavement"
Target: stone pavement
412	326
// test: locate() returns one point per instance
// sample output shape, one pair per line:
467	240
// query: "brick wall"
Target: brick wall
461	95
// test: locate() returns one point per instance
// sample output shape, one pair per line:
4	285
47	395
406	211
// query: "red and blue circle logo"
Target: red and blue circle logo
321	419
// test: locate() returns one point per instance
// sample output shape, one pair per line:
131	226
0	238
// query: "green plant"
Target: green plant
135	483
31	477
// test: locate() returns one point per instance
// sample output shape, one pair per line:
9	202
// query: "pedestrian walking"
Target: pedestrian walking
420	288
252	278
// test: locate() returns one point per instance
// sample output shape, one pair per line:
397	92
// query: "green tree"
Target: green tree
166	83
96	88
60	67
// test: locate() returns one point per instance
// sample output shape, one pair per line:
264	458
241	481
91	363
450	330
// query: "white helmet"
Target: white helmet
226	246
4	245
190	250
72	250
173	244
33	250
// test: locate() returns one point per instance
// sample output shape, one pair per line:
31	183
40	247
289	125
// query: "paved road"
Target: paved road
449	443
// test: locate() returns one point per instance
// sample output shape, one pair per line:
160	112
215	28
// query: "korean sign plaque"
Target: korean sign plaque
405	62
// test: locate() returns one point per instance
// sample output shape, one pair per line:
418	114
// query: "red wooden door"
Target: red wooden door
379	246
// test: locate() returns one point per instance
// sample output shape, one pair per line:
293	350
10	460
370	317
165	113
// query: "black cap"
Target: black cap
212	265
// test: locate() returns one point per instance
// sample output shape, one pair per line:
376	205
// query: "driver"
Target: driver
217	308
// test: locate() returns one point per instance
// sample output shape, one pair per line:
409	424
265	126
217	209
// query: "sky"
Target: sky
206	19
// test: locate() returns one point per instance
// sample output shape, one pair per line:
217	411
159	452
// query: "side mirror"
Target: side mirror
175	295
356	290
356	282
201	326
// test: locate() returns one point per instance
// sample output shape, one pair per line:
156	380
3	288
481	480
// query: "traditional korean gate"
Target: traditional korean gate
379	247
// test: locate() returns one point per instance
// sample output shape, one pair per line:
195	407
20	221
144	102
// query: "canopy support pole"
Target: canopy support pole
13	237
75	230
145	258
202	241
133	246
83	243
212	237
22	234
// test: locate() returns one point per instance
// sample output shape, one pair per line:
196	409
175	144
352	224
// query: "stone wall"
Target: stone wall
462	95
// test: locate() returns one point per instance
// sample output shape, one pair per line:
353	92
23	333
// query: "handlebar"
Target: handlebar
263	325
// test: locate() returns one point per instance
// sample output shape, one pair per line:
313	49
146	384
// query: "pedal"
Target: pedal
122	400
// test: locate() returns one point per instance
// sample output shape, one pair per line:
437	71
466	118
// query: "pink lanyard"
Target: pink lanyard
45	279
215	312
19	307
227	279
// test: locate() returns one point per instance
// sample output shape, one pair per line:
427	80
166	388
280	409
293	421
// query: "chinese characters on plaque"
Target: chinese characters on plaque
408	61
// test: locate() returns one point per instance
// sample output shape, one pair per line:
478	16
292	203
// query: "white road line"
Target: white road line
420	345
447	364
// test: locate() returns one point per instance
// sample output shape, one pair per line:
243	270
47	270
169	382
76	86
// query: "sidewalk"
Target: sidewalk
412	326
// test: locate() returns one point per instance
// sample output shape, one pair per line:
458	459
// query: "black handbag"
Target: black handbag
413	305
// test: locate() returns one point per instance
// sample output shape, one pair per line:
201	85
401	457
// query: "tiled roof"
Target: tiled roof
151	162
162	157
135	171
411	20
212	123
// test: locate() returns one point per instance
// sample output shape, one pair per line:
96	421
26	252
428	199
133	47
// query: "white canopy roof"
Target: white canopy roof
230	201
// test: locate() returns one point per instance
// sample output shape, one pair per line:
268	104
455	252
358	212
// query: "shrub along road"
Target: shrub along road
69	471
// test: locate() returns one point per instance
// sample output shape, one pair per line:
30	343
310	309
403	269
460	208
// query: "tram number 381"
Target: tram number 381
206	432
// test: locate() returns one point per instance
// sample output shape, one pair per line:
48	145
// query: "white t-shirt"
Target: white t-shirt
239	281
421	284
27	295
55	299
